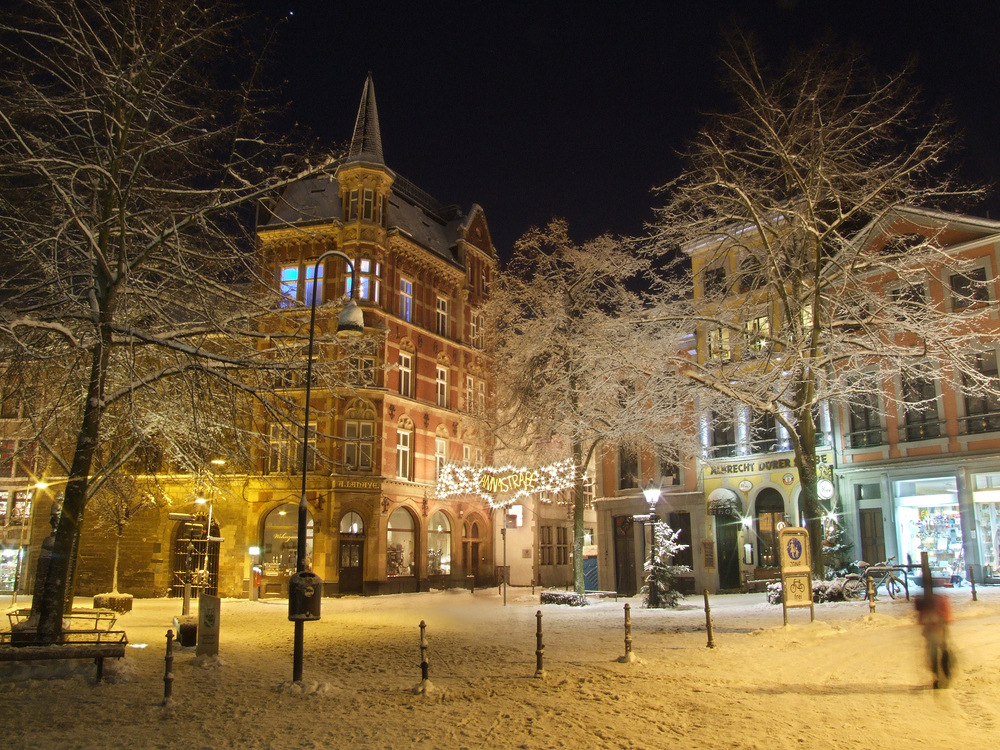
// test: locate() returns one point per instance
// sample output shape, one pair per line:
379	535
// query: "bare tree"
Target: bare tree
132	299
123	497
795	209
574	370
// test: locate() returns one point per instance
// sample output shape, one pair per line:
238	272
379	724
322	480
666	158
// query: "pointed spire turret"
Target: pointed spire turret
366	145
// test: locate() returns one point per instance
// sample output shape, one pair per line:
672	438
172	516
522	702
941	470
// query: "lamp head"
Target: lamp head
351	321
652	493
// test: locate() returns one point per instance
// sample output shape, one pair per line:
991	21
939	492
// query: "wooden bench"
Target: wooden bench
87	634
98	646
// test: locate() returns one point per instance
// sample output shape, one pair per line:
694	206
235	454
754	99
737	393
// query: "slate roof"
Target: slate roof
411	211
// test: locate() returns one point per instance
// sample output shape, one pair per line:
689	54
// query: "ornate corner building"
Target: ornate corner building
414	394
386	412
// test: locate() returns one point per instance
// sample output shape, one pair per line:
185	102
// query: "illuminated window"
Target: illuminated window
368	280
470	390
758	334
718	345
288	285
314	284
406	299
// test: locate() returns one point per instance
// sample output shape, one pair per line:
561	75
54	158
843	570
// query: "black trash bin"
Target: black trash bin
305	590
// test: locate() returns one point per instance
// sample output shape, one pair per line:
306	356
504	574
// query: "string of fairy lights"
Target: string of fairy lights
500	486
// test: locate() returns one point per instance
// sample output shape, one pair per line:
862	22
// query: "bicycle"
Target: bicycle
882	574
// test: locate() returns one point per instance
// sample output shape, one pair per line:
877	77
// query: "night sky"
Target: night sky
577	109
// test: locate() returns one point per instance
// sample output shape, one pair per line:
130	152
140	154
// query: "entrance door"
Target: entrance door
624	556
727	537
352	551
470	549
872	535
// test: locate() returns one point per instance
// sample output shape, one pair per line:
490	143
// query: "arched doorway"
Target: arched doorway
471	531
724	504
352	553
439	545
770	511
278	548
196	557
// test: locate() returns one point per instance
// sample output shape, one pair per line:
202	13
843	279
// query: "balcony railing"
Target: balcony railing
979	423
912	433
866	438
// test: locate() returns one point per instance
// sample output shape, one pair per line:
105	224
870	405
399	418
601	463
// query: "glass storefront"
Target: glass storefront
439	545
400	548
927	520
986	501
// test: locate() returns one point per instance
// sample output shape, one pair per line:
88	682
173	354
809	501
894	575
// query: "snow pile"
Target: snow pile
831	683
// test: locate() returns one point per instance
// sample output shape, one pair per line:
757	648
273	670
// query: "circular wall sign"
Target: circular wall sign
746	485
824	488
788	478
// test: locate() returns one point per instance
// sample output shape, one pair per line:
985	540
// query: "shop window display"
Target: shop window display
439	545
986	498
928	519
400	558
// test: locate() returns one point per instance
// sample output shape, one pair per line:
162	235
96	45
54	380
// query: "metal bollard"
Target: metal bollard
629	656
871	595
539	648
168	672
423	651
708	622
972	581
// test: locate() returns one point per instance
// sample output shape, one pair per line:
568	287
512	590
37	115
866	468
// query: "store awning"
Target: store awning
724	502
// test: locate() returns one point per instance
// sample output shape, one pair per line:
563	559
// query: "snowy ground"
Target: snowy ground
849	680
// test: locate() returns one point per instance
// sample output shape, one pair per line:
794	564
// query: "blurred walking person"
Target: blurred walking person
934	616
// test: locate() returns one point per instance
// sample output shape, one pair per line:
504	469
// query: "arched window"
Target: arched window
352	523
770	512
279	539
400	545
439	545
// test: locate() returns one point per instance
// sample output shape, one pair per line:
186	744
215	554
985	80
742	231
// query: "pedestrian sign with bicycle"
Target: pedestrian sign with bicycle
796	571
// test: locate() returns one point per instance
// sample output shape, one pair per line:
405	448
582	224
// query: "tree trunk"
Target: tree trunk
51	591
805	462
114	574
579	585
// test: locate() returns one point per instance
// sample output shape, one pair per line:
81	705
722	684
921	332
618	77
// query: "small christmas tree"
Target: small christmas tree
660	571
836	546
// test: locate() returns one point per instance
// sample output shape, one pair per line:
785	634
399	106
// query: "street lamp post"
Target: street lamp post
350	323
652	494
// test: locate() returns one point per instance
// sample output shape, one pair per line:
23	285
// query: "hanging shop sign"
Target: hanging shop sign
501	486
